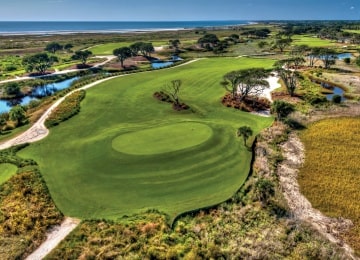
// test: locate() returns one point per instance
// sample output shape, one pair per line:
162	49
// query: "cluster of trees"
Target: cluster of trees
143	48
242	83
53	47
211	42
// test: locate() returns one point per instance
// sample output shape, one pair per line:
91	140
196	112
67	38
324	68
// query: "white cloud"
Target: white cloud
352	7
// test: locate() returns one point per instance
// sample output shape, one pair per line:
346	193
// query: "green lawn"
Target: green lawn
6	171
311	41
127	152
352	31
107	48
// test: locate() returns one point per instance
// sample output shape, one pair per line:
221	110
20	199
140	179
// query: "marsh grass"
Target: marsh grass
330	178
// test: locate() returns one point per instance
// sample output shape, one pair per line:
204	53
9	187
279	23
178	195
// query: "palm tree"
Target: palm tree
245	132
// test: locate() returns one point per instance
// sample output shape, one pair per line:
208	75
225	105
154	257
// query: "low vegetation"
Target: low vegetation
330	177
67	109
26	208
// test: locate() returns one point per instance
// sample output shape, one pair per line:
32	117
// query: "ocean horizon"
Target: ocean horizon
67	27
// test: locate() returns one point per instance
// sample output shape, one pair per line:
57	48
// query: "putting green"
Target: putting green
162	139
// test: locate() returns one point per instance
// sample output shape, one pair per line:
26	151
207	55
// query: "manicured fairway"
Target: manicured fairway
127	152
311	41
6	171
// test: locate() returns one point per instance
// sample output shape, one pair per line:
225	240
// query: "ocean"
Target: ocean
18	28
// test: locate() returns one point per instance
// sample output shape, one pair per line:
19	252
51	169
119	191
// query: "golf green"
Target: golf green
127	152
162	139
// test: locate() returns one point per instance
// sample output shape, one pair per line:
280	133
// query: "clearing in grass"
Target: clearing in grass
176	161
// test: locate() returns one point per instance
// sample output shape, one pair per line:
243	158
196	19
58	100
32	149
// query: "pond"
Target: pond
341	56
37	93
161	64
336	91
158	64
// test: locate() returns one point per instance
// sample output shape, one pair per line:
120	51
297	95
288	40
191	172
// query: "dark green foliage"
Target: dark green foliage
12	89
347	60
245	132
67	109
17	114
122	54
53	47
39	62
82	55
208	40
336	99
282	109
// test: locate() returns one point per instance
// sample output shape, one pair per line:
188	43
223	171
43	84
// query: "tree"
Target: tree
314	56
282	43
68	47
17	114
245	132
252	82
39	62
53	47
286	70
208	39
173	90
282	109
82	55
230	83
262	44
145	48
12	89
245	82
174	44
327	56
122	54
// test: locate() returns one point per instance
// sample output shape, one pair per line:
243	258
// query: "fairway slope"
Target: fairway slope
127	152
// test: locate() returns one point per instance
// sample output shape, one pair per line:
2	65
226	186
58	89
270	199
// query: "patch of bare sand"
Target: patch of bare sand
54	237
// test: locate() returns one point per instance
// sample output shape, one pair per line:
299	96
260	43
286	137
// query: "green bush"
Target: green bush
336	99
67	109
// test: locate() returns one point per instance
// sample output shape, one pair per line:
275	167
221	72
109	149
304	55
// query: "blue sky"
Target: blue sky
181	10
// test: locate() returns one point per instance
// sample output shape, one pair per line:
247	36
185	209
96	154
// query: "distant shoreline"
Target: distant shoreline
64	28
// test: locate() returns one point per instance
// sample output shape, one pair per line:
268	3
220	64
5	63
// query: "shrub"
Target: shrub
67	109
336	99
347	60
10	68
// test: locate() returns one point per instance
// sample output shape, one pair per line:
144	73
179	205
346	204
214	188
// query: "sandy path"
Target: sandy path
293	151
54	237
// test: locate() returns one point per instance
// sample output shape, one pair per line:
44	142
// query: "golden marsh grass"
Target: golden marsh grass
330	177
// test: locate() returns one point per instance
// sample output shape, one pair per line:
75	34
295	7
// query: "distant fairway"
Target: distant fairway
127	152
311	41
6	171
